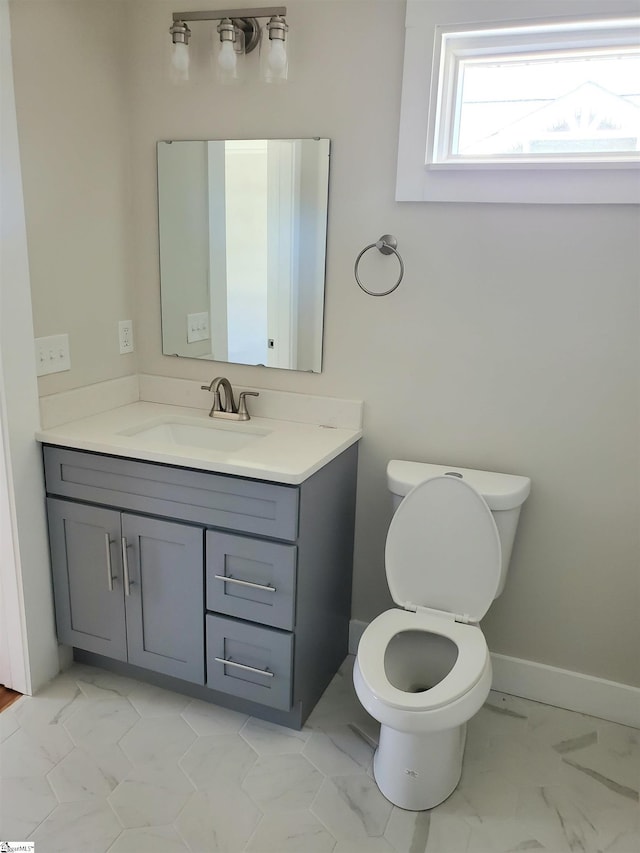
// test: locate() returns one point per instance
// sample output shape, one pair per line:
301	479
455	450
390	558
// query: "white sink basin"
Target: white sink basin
208	436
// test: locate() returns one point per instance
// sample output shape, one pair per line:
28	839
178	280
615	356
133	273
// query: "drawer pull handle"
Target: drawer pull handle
228	662
229	579
110	576
125	567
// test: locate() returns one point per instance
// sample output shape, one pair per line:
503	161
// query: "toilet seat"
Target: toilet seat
442	560
443	550
463	676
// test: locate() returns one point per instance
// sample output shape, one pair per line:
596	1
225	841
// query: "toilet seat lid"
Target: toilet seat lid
443	550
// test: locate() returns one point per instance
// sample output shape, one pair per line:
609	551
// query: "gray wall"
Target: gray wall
72	101
512	344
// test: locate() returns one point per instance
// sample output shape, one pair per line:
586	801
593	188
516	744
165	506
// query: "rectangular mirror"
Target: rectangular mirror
243	229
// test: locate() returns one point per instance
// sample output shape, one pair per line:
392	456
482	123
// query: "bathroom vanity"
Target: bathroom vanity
231	588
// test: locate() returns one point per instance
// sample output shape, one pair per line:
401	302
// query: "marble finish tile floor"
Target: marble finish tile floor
98	763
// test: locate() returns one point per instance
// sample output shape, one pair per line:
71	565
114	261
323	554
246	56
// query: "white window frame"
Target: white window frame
454	47
426	169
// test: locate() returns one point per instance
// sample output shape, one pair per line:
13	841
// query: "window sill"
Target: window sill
536	165
532	185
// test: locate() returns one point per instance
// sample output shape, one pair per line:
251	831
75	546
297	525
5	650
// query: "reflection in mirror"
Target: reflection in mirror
242	250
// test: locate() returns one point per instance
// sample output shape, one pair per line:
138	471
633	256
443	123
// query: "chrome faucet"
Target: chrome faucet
228	409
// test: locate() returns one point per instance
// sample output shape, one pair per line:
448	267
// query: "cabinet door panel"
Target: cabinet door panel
165	607
89	614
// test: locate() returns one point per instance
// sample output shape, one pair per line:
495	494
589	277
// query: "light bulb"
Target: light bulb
274	59
180	63
227	59
277	55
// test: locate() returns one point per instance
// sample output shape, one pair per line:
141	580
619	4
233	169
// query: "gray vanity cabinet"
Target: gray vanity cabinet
126	586
233	590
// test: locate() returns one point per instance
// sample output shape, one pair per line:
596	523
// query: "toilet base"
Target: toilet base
419	771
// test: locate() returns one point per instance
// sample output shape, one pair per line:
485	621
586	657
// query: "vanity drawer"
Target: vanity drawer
235	503
251	579
249	661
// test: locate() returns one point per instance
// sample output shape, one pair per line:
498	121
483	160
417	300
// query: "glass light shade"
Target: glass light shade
228	58
274	57
179	67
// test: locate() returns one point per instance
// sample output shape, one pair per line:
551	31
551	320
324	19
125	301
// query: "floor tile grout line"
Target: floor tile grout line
257	826
319	819
174	822
188	723
317	816
115	840
50	813
44	775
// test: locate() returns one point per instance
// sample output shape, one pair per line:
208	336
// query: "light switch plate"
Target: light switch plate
52	354
197	327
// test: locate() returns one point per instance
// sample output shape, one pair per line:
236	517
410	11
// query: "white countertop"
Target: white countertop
290	452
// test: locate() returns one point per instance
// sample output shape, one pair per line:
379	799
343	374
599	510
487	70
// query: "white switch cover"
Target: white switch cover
52	354
125	336
197	327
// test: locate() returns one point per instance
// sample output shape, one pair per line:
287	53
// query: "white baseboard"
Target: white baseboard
609	700
356	630
563	688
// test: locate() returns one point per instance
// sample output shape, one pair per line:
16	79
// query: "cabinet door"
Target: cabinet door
87	577
164	596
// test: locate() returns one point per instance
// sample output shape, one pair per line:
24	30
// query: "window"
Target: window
509	110
560	93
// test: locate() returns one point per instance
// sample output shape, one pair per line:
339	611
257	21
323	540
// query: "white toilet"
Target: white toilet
424	670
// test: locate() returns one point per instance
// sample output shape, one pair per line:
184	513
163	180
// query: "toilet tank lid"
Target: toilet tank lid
500	491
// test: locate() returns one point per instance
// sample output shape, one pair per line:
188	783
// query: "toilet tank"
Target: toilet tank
504	494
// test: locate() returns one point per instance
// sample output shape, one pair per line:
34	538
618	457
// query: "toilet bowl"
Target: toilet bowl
423	669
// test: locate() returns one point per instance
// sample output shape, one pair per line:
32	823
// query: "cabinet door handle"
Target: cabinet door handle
125	567
228	662
229	579
108	542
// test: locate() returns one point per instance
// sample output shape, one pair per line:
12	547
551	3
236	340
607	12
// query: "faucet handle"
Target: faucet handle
243	414
217	401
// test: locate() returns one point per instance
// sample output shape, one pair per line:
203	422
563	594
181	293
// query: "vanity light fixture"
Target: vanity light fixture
238	33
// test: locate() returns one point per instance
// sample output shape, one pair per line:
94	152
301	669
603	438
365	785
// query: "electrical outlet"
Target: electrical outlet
52	354
197	327
125	336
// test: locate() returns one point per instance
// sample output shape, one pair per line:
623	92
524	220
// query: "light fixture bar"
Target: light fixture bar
239	33
259	12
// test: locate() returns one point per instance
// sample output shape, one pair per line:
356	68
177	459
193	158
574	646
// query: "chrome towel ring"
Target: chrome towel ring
387	245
